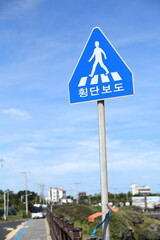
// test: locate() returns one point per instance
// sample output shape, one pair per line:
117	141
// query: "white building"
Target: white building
67	200
56	194
140	190
62	193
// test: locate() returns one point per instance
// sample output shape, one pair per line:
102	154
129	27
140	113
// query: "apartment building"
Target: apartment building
140	190
82	194
56	194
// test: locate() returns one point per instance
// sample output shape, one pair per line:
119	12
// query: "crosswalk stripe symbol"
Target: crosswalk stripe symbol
94	80
104	78
116	76
82	82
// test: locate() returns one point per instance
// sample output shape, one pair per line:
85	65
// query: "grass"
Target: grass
122	224
20	216
79	215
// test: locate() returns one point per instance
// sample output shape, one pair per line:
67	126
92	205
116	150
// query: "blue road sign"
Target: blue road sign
100	73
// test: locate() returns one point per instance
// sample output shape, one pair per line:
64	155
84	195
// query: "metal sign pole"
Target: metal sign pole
103	165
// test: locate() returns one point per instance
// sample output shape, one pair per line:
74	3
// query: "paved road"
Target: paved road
34	229
7	227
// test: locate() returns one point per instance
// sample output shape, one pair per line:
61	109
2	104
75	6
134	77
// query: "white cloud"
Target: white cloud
18	8
133	155
68	168
17	114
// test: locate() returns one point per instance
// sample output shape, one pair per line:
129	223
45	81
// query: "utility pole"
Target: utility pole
26	192
4	196
42	192
41	195
7	201
77	192
22	198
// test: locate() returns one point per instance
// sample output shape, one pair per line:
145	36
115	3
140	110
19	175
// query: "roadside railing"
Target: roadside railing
94	238
62	229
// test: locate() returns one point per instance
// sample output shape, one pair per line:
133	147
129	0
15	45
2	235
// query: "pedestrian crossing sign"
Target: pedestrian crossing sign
100	73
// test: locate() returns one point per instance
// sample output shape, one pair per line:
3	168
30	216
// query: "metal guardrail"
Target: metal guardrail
62	229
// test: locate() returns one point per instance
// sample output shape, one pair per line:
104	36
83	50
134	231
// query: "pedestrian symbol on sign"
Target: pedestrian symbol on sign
97	54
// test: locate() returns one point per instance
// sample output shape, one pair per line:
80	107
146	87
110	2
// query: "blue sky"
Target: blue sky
55	142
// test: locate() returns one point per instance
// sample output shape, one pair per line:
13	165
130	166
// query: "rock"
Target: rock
137	220
156	230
